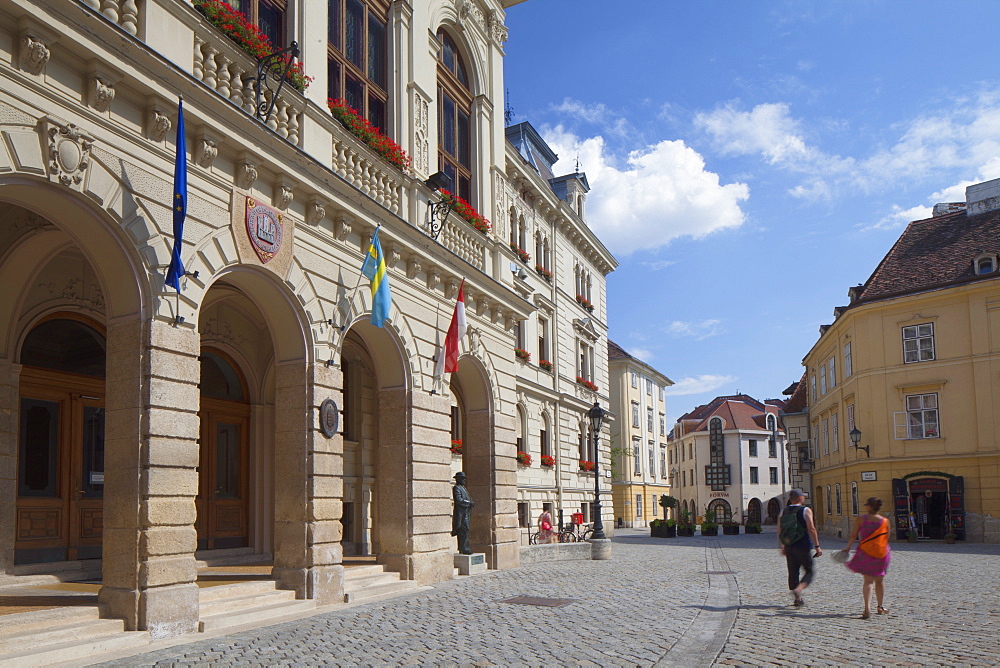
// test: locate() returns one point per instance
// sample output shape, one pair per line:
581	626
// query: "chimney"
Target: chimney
948	207
982	197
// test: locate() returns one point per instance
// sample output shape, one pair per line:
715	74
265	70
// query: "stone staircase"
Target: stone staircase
372	582
56	635
250	603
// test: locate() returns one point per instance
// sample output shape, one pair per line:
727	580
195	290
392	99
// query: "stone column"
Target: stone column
151	477
308	557
493	486
414	492
9	418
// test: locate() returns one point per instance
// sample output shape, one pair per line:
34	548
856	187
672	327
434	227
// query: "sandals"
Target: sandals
882	611
865	615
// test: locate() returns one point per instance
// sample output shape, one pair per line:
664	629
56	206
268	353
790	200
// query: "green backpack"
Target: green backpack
791	529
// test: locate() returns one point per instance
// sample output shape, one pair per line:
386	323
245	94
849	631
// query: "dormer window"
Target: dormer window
985	263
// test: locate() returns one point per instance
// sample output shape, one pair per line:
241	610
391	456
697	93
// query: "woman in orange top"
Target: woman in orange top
873	555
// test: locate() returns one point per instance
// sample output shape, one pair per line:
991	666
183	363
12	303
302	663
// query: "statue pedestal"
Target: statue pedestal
470	564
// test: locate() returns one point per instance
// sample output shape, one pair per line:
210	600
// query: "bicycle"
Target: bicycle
572	533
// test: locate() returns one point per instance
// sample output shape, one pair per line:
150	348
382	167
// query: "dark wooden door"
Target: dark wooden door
223	488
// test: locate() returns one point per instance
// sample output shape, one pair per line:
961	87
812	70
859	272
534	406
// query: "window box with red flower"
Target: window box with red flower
522	354
543	272
585	303
368	134
466	212
523	458
586	383
545	364
521	253
456	447
235	25
548	460
587	465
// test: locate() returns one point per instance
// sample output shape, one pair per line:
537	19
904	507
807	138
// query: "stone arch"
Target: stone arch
355	312
448	19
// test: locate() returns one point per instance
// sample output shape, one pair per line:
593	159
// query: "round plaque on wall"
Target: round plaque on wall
329	418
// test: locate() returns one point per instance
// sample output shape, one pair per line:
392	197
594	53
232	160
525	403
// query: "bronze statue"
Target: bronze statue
462	512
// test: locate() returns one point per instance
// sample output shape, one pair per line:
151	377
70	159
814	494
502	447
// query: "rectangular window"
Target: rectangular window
635	380
855	508
663	424
519	334
826	436
839	507
754	475
772	448
663	462
848	364
543	339
773	473
850	417
684	478
543	438
835	435
635	414
653	505
812	385
660	392
918	343
523	517
920	420
652	459
638	506
649	386
752	448
636	457
822	380
649	420
832	373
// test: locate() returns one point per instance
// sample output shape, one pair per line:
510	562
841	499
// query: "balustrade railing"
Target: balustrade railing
365	170
464	241
123	13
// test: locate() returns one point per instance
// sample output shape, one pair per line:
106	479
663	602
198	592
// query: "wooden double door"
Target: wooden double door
223	480
60	470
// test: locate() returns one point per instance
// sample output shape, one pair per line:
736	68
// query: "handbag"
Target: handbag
546	526
841	556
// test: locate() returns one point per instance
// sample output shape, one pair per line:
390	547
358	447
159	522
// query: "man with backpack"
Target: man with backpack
796	537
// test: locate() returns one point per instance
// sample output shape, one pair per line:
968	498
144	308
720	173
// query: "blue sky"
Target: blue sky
750	161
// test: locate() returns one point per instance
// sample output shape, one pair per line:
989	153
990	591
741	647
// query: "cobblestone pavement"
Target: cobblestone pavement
680	601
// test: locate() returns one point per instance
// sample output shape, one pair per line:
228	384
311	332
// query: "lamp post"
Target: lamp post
856	440
596	415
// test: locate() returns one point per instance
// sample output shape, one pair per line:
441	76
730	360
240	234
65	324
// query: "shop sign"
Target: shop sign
868	476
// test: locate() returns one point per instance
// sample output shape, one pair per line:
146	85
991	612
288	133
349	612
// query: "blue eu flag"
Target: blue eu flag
176	269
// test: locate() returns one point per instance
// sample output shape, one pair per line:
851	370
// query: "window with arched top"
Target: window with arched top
521	445
513	227
985	263
65	344
220	378
357	58
454	117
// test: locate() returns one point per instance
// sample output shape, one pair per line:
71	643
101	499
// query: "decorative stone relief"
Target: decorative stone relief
498	31
69	153
73	291
474	335
343	227
206	150
34	54
468	9
433	278
421	116
223	332
412	267
285	196
158	124
246	175
508	320
450	289
101	94
483	306
316	211
393	257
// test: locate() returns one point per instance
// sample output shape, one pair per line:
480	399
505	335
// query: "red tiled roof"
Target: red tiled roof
934	253
739	411
798	402
616	352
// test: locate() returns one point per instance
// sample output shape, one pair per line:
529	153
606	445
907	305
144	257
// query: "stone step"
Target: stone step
206	594
15	624
229	557
377	591
355	572
258	616
375	579
244	602
86	630
75	651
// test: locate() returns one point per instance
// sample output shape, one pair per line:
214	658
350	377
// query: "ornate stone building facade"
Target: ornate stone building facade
139	425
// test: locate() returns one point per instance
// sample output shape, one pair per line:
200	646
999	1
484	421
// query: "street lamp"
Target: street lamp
596	415
856	439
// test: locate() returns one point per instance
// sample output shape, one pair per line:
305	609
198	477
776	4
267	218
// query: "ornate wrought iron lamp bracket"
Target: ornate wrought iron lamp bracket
266	76
439	210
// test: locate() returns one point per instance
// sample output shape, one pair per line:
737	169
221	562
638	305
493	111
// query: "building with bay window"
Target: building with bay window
905	407
258	413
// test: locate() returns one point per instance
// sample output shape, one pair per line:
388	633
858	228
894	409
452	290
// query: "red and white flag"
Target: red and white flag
447	361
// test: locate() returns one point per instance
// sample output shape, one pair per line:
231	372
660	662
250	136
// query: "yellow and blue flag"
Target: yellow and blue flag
375	271
179	204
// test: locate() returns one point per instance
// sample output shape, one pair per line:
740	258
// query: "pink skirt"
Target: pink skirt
866	564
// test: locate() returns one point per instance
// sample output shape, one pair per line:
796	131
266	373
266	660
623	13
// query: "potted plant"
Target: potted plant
950	537
667	502
685	527
708	526
522	354
523	458
752	527
548	460
656	528
545	364
730	528
587	465
911	536
521	254
669	528
456	446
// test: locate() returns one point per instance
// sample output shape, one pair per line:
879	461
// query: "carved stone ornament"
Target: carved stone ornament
498	31
316	211
483	306
34	54
450	289
69	154
285	197
393	257
433	278
101	94
412	267
343	228
206	150
474	335
246	175
159	125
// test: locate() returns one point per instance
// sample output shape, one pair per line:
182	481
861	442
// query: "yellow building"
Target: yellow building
903	400
640	475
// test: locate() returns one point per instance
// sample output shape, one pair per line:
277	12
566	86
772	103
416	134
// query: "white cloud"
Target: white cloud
699	384
768	129
696	330
657	265
641	353
662	192
900	217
